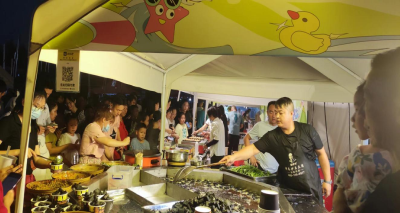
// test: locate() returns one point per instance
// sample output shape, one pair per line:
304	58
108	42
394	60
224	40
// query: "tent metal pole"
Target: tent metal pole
195	101
164	111
206	109
29	91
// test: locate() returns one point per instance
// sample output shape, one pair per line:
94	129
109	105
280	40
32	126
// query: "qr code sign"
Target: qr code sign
67	73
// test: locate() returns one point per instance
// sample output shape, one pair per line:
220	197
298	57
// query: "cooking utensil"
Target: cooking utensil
177	155
44	157
8	150
185	171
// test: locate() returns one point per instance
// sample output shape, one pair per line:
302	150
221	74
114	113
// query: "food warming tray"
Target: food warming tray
266	179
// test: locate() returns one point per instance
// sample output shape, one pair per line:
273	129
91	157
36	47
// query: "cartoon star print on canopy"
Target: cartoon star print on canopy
238	27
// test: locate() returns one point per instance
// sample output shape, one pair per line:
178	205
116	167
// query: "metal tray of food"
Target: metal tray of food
159	208
266	179
124	201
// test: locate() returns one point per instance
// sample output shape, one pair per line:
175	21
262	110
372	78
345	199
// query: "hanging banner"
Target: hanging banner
67	74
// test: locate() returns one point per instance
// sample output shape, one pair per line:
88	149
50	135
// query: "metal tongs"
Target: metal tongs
185	171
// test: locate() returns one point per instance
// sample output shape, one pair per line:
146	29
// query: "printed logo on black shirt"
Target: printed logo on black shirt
294	169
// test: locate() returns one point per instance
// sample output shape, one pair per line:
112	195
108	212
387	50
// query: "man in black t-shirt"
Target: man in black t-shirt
295	146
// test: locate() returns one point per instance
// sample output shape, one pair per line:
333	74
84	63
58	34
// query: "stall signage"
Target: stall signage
67	74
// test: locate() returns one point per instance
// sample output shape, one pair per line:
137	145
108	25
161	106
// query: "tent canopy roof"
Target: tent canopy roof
210	47
311	79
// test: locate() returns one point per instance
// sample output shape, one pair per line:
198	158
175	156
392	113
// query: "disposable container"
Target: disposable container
120	177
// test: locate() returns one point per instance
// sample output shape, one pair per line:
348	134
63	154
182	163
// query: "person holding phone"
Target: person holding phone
10	134
181	128
7	197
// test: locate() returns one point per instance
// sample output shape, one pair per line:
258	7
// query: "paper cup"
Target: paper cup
39	209
269	200
97	209
33	202
6	161
85	205
56	168
202	209
43	204
81	192
60	199
64	207
109	205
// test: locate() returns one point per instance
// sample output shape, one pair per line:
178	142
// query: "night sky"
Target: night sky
15	20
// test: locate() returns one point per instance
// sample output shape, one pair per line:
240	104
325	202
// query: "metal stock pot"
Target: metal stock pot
177	156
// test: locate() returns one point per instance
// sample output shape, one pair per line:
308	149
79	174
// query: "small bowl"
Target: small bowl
36	201
36	209
81	192
56	168
45	204
98	209
61	199
65	208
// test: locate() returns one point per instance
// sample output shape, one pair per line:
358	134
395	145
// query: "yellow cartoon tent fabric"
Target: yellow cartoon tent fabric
319	28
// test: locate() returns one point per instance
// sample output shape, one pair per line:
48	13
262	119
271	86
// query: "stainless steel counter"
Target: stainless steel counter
150	189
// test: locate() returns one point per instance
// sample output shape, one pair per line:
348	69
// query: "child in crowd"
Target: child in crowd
143	118
70	137
364	168
181	128
139	142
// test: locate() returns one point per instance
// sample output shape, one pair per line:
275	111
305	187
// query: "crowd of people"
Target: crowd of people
87	130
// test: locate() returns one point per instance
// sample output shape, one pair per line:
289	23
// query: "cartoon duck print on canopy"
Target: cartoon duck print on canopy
238	27
300	37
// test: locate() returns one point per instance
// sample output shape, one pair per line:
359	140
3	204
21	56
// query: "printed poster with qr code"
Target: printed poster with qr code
68	76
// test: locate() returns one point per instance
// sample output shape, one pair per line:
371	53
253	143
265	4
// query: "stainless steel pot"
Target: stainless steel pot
177	156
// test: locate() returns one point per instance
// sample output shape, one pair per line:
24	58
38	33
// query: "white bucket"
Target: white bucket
6	161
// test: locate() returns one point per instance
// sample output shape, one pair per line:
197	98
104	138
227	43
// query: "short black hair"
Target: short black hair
71	117
184	101
180	115
139	126
3	86
156	116
48	85
132	97
51	103
119	100
284	102
71	97
132	107
213	111
169	110
142	116
271	103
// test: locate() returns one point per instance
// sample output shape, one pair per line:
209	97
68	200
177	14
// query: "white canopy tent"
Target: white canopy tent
300	78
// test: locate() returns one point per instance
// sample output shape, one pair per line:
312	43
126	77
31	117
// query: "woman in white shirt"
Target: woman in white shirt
181	128
217	136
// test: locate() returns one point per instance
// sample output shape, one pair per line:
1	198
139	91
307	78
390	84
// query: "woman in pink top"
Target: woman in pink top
95	138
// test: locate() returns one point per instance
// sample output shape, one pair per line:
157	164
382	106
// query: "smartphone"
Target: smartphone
10	182
52	124
171	127
187	124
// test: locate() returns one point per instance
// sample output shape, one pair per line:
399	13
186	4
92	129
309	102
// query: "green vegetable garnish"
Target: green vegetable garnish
250	171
